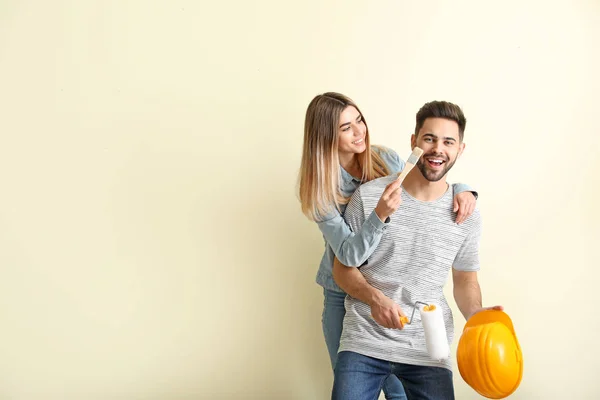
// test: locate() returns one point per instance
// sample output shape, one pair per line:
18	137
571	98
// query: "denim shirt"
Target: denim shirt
354	248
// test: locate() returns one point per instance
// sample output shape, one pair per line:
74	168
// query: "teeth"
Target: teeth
358	141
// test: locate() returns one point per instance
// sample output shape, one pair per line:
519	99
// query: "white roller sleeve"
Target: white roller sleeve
435	333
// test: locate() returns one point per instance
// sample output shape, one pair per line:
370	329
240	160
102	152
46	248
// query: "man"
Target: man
412	262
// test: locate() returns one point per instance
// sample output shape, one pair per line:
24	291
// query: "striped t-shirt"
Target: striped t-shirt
412	263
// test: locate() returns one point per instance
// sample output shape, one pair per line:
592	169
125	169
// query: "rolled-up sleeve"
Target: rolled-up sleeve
463	187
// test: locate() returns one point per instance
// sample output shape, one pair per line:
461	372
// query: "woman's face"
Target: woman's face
352	132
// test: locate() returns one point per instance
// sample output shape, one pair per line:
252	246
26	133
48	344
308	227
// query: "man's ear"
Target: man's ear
461	149
413	141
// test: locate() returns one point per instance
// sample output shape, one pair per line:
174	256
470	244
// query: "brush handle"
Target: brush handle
407	168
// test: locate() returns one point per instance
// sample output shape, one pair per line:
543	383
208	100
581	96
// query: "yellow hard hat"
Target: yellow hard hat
489	356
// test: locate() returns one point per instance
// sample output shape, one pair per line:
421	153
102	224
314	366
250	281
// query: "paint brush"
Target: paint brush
410	163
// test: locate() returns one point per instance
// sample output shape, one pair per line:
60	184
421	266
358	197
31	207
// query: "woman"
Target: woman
337	157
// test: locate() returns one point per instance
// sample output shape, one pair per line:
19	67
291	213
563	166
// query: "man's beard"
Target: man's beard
431	175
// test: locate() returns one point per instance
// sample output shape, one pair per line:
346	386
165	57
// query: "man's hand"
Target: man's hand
386	312
498	308
464	203
390	200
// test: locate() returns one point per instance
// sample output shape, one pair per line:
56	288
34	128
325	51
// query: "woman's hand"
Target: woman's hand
464	203
390	200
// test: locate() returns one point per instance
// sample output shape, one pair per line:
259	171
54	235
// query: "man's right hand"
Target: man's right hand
390	200
387	313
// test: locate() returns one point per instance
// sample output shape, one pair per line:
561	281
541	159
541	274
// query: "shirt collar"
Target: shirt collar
347	178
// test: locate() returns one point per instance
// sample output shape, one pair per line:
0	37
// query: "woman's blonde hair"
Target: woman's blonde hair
320	172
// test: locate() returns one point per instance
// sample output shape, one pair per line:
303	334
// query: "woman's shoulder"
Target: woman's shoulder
383	150
390	157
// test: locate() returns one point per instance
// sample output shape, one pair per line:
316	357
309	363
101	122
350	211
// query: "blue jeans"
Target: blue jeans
333	321
359	377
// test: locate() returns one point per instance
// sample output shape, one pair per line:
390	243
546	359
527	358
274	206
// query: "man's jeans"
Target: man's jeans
333	322
359	377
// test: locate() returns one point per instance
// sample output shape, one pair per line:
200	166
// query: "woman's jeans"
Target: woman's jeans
333	320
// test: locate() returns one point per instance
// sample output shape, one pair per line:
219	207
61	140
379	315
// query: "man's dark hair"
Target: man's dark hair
441	109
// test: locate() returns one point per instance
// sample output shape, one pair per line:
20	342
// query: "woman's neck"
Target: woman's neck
349	161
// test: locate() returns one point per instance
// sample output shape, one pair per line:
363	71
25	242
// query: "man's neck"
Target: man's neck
420	188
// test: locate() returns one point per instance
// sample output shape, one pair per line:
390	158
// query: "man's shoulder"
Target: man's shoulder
473	221
368	194
375	186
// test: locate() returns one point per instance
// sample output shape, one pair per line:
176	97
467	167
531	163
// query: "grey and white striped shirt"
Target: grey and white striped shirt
412	263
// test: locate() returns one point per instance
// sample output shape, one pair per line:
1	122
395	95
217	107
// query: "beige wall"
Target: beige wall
151	243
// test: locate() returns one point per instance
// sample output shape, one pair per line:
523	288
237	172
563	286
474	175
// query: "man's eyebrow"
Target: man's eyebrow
435	136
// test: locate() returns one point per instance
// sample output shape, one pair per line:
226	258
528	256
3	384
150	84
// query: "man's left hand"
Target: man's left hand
498	308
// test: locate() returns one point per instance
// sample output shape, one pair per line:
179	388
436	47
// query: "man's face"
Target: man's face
439	139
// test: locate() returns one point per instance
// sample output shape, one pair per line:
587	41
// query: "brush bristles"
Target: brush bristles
414	157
